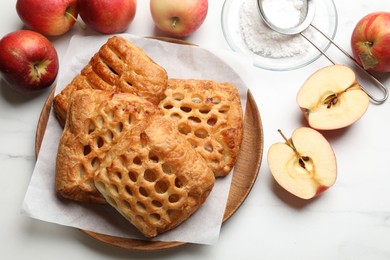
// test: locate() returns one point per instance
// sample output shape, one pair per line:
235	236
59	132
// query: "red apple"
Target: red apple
178	17
305	164
370	41
50	17
107	16
28	61
331	98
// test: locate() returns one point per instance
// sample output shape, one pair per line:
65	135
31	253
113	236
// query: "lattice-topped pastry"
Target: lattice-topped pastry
209	115
95	122
119	66
154	177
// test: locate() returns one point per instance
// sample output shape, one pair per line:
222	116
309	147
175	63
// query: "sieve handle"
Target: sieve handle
375	80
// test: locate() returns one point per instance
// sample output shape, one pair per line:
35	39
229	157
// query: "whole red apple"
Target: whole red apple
50	17
178	17
107	16
28	61
370	41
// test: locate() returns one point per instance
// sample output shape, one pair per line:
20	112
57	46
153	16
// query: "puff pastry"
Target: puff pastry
154	178
119	66
96	121
149	146
209	115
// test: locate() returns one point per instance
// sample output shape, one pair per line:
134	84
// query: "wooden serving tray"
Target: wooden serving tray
244	175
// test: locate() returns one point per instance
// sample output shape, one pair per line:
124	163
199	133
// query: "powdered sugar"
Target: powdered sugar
262	40
284	13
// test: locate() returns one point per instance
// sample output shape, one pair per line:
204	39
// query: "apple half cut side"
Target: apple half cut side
304	165
331	98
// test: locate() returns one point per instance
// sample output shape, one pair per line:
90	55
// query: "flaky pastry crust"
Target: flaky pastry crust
209	115
96	121
118	66
154	178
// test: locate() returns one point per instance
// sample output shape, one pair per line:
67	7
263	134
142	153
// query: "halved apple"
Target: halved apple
331	98
304	165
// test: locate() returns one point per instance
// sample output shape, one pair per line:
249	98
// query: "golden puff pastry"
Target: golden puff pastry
209	115
154	177
96	120
118	66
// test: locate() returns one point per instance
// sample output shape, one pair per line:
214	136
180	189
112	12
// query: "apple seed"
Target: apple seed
332	99
301	159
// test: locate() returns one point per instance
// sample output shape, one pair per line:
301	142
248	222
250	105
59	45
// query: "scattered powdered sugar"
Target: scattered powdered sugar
262	40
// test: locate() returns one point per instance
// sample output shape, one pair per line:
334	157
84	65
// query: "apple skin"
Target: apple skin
49	17
370	42
28	61
286	164
189	15
107	16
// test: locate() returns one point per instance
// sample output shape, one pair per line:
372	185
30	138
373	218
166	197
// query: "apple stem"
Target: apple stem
82	26
368	46
301	159
36	71
174	21
287	141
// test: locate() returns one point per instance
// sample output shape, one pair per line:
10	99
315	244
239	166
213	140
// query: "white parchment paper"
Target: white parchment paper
180	61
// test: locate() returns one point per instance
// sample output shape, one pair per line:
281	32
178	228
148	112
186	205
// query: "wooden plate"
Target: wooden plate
244	176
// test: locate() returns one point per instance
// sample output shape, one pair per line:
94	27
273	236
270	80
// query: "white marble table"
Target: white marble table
350	221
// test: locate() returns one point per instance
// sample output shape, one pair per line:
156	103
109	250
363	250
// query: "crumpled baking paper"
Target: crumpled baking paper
180	61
